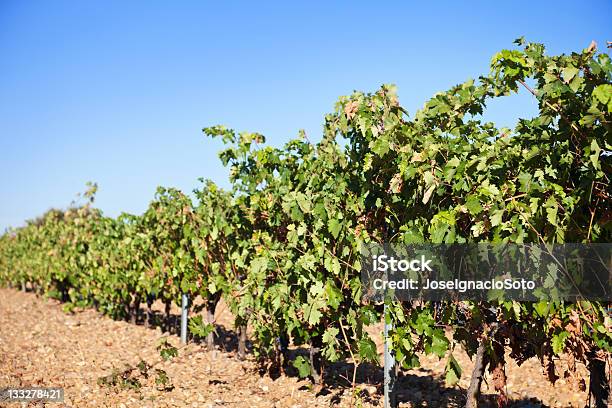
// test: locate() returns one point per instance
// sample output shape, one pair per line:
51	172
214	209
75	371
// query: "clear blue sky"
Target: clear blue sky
117	91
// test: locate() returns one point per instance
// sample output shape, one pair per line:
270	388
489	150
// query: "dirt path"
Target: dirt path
40	345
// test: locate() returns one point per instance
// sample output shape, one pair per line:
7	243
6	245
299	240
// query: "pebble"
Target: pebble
371	389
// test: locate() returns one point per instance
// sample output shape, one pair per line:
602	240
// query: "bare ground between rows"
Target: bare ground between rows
40	345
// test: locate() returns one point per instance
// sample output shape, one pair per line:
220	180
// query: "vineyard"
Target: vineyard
281	248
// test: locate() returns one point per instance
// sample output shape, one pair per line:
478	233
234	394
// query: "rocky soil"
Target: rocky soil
41	345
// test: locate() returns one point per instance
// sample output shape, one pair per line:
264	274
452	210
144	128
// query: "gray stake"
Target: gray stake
184	312
389	369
